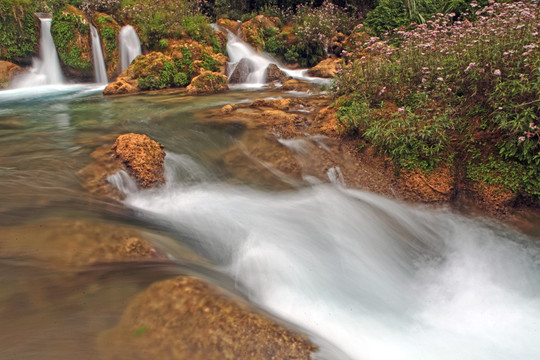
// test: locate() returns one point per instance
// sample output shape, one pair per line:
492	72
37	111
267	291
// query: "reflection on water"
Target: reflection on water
376	278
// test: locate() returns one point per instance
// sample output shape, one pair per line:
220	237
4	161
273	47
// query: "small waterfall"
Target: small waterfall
100	71
255	63
130	46
46	70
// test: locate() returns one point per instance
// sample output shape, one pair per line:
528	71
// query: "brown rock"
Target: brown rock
121	86
186	318
143	158
231	25
326	68
7	73
208	82
274	73
61	242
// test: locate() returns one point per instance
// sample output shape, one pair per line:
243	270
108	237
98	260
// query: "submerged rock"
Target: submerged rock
143	158
208	82
7	72
186	318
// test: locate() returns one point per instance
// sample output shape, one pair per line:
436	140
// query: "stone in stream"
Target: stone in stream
187	318
242	71
143	158
274	73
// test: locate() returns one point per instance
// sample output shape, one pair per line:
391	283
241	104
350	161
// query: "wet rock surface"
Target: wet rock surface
208	82
242	71
186	318
142	157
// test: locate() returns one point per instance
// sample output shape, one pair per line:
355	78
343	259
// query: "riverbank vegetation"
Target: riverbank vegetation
459	91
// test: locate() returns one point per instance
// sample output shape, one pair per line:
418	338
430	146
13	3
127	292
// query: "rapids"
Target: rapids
365	276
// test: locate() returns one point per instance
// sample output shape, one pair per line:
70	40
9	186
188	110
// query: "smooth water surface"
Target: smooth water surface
375	278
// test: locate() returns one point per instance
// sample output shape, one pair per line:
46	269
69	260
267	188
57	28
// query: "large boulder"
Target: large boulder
70	30
7	72
121	86
208	83
142	157
242	71
108	30
186	318
326	68
275	74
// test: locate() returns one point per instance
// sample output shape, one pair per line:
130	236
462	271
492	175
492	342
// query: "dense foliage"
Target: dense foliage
19	32
454	90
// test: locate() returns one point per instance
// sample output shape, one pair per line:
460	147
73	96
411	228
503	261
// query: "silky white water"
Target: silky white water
130	46
100	70
376	278
237	49
46	70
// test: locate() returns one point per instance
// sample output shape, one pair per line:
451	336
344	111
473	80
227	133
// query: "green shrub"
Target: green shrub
477	84
66	28
19	32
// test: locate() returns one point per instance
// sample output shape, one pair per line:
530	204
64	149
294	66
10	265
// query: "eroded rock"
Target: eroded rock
186	318
242	71
326	68
143	158
8	71
275	74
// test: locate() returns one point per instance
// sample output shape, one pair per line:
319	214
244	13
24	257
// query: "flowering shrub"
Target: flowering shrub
484	76
107	6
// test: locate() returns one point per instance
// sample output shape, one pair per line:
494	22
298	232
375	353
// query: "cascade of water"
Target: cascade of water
46	70
130	46
258	62
379	279
100	71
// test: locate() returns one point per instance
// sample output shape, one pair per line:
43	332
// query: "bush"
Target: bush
19	32
475	83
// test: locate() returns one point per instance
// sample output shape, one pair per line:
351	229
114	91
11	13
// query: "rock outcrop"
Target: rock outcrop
7	72
326	68
208	83
142	157
186	318
252	29
70	30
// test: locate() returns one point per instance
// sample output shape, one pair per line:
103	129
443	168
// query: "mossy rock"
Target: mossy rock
19	33
70	30
108	30
208	83
253	31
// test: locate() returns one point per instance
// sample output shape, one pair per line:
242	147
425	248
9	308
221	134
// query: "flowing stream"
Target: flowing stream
374	278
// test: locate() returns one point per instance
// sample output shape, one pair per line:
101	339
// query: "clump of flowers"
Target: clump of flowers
483	74
107	6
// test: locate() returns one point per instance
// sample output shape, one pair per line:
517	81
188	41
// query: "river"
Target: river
373	277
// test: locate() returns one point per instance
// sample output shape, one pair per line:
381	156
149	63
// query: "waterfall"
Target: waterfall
250	65
46	70
100	71
130	46
256	63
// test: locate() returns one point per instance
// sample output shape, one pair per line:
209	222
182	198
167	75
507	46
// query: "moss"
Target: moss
19	31
108	30
71	34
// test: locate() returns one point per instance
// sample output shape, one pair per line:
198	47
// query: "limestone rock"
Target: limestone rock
273	73
231	25
208	82
242	71
326	68
186	318
296	85
143	158
7	72
121	86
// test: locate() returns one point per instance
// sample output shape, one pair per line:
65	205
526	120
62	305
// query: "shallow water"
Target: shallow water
377	279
